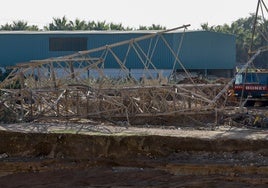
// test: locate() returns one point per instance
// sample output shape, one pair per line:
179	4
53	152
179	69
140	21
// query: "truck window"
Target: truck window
263	78
251	78
238	79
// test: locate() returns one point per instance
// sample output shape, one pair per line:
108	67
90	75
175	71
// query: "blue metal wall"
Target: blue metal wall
199	49
207	50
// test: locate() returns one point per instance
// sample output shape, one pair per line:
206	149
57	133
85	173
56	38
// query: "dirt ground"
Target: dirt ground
94	154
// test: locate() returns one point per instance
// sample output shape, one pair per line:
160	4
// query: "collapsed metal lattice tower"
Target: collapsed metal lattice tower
259	26
76	86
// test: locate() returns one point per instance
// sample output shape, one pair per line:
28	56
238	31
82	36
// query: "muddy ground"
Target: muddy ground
92	154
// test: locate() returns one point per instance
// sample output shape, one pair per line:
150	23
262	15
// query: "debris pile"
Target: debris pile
246	118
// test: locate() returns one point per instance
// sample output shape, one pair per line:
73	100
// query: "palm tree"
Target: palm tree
6	27
118	27
152	27
33	28
59	24
141	27
19	26
79	25
156	27
206	27
91	25
100	26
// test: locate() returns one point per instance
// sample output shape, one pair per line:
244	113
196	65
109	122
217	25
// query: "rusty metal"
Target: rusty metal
63	88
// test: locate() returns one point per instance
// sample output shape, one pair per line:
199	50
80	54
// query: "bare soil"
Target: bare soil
90	154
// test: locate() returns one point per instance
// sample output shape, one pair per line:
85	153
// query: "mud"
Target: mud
108	160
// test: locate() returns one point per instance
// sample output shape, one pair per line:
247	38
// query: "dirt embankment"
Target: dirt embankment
76	160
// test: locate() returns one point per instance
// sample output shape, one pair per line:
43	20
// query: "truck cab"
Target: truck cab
252	86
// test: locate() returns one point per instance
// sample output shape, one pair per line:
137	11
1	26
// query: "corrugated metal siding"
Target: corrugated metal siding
134	60
200	50
207	50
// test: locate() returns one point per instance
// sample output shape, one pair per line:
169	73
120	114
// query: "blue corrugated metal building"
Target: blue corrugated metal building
200	51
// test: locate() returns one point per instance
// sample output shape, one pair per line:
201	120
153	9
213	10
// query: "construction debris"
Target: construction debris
75	86
238	117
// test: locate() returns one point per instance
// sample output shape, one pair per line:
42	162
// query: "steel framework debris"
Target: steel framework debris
76	86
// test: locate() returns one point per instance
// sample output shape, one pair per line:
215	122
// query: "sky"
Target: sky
132	13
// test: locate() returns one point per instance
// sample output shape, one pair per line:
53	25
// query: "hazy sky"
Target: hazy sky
169	13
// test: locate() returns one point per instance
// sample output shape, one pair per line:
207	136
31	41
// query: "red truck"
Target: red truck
252	87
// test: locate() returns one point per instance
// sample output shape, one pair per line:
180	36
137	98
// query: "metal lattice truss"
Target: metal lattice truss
260	25
77	86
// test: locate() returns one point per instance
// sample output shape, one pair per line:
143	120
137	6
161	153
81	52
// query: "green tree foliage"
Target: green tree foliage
152	27
118	27
141	27
156	27
79	25
91	25
19	26
101	26
59	24
6	27
65	24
